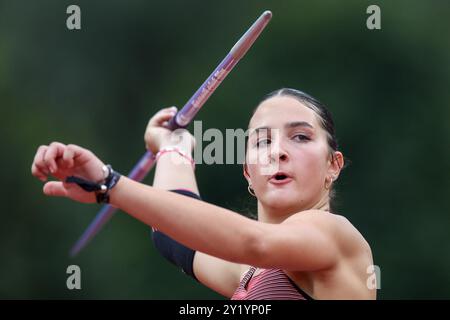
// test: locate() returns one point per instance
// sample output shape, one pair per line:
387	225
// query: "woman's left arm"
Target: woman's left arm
302	242
197	224
305	241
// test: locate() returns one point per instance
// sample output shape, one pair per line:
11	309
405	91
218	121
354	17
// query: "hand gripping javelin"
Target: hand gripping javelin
181	120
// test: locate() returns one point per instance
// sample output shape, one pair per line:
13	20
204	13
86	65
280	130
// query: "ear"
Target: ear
336	164
246	174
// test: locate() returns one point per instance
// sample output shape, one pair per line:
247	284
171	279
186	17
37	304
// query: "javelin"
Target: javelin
181	120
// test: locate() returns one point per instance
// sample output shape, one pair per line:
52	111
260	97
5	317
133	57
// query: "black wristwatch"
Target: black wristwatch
101	189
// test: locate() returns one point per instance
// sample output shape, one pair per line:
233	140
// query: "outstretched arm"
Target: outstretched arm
302	242
199	225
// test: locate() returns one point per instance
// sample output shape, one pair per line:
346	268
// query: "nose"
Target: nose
278	152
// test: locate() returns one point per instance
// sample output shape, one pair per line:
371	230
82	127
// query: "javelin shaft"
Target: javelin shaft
181	120
190	109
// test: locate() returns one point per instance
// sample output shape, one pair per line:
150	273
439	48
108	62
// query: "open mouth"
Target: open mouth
279	178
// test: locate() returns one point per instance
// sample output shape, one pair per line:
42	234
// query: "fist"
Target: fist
158	135
60	161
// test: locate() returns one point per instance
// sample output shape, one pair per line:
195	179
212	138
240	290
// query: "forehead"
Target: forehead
277	111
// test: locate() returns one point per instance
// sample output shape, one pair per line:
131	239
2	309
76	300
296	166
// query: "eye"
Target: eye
301	137
262	143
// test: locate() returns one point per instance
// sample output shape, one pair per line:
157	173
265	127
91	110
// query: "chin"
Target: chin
281	200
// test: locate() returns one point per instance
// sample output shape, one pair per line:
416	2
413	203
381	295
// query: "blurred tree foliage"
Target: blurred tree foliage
388	90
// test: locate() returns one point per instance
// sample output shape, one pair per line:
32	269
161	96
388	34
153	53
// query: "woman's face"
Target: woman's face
285	136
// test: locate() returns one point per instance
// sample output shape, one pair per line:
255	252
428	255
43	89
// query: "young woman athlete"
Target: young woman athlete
296	249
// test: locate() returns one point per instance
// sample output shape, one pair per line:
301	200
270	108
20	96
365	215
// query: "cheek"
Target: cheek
258	178
253	171
310	163
258	160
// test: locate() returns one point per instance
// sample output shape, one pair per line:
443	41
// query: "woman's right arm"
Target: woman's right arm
174	172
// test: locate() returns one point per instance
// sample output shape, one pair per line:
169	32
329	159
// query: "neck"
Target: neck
277	215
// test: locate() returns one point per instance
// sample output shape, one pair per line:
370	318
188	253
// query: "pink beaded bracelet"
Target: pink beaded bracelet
177	150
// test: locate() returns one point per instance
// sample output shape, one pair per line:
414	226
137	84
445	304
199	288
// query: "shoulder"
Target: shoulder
335	227
326	221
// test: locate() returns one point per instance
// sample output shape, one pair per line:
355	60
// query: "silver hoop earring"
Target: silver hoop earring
250	190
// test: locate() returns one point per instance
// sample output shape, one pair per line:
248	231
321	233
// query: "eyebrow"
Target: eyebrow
298	124
288	125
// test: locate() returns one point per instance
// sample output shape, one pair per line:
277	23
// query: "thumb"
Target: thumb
55	188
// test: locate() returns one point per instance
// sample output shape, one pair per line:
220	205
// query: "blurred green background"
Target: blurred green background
388	90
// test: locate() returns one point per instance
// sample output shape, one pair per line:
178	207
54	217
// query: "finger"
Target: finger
35	171
163	120
154	118
54	151
68	157
39	160
80	155
162	115
61	174
55	189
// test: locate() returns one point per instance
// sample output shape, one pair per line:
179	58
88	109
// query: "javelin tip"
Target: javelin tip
246	41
